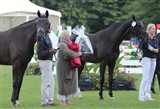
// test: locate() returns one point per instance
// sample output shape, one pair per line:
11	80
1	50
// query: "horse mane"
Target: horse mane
43	16
118	23
158	34
158	37
26	22
107	27
115	24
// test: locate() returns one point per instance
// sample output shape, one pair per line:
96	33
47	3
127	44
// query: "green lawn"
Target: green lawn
30	95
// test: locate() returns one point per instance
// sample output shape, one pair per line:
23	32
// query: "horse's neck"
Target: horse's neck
28	32
158	36
32	36
121	32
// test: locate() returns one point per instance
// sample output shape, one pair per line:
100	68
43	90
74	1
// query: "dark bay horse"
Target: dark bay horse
157	71
17	49
105	45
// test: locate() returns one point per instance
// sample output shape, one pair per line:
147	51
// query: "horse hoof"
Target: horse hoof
153	91
16	104
101	98
112	98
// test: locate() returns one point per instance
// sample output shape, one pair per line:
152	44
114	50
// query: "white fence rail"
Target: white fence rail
131	66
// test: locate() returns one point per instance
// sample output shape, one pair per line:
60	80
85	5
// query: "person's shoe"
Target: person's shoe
150	99
52	104
48	104
80	96
63	103
141	99
67	102
43	105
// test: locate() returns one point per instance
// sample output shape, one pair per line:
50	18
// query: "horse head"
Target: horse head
137	27
42	24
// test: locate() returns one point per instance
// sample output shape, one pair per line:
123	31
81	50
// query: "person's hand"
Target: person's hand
79	53
53	51
150	47
87	53
139	55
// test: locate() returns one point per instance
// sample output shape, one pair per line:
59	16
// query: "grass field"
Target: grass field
30	95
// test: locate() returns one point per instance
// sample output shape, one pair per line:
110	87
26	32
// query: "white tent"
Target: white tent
15	12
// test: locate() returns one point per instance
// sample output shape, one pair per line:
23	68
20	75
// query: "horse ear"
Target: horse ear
38	13
134	18
47	13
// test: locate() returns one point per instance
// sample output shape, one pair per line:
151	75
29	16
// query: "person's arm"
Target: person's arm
42	51
155	50
53	51
67	53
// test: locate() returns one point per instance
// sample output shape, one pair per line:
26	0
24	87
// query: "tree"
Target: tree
93	14
39	2
101	13
147	10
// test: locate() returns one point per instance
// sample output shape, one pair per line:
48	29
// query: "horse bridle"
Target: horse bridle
41	36
135	30
40	28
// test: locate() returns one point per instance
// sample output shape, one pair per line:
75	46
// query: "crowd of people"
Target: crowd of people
67	76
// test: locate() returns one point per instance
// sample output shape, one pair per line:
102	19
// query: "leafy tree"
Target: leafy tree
93	14
39	2
101	13
147	10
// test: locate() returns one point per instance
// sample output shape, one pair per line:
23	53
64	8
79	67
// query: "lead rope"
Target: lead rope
139	49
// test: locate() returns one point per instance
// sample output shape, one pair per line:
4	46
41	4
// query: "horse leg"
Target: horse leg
80	69
111	68
152	85
157	72
158	76
102	72
18	72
